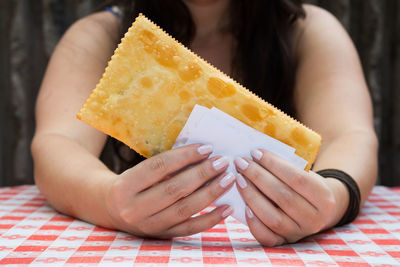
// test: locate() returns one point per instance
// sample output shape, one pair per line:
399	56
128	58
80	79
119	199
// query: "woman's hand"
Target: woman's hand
285	203
157	197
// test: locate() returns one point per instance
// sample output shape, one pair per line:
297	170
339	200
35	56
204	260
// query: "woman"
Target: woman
297	57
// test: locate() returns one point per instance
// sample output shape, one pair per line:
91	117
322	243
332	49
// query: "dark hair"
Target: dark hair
263	59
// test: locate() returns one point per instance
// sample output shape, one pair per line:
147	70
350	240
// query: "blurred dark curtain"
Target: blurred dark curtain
31	28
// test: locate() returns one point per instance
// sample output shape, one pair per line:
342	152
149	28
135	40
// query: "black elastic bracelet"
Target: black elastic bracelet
354	194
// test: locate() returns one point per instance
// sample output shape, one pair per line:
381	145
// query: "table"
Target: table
32	233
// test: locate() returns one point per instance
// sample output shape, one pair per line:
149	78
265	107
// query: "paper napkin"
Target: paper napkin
231	138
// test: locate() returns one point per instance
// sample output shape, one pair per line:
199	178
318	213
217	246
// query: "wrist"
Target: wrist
93	200
341	195
354	194
106	202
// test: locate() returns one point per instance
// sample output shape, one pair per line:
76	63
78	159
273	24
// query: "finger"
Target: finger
198	224
195	202
182	184
261	232
308	184
271	216
154	169
288	200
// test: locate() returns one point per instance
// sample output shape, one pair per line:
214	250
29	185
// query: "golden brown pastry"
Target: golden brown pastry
152	83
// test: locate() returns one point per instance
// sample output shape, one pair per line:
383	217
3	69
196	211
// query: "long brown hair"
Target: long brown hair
263	59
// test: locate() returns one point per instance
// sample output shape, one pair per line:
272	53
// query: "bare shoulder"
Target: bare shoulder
73	71
315	12
93	35
319	27
100	22
328	68
317	17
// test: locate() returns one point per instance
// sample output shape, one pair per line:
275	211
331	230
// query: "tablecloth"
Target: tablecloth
33	233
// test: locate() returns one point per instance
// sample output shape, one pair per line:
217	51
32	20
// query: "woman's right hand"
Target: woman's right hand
158	197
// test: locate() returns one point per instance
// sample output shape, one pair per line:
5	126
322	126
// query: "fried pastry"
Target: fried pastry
152	83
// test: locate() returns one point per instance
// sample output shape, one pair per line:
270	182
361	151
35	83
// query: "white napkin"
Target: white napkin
231	138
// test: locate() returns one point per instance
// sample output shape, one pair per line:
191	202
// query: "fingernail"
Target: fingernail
249	213
220	163
241	181
256	154
241	163
227	180
227	212
205	149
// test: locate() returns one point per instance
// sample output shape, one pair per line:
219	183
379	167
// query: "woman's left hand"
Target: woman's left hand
285	203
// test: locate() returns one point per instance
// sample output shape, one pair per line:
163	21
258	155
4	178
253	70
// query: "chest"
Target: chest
217	51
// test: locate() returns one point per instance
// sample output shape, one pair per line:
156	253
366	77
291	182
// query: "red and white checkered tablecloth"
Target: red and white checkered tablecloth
33	233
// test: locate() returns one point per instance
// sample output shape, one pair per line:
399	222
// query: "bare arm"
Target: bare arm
62	144
331	97
151	198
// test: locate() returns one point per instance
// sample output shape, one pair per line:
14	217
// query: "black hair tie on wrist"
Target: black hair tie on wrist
354	194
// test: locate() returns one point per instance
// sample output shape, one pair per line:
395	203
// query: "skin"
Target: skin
330	87
158	197
65	150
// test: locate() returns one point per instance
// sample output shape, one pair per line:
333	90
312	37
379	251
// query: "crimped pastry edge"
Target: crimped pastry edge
237	84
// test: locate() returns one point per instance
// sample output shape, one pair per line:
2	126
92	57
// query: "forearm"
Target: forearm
74	181
355	153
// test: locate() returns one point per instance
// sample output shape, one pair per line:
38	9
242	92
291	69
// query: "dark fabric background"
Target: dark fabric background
31	28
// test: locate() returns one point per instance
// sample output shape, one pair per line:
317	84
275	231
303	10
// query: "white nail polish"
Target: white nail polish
241	163
249	213
220	163
256	154
205	149
241	181
227	180
227	212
